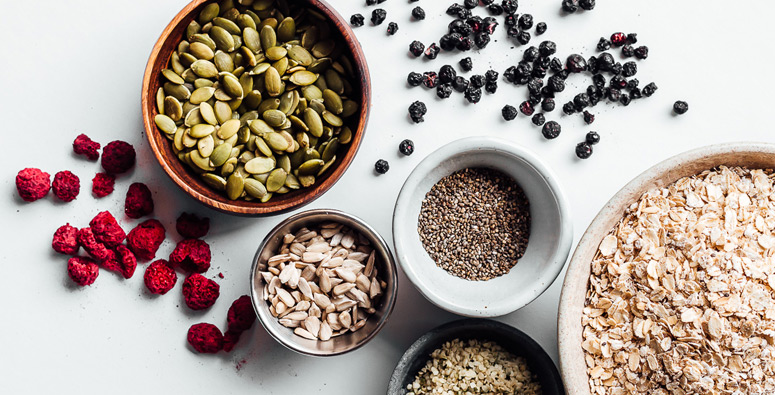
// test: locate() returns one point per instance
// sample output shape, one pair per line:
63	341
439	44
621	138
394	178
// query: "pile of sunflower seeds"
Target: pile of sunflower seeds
323	282
475	223
257	96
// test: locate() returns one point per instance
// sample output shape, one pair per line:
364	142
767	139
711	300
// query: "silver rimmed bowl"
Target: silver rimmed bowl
384	262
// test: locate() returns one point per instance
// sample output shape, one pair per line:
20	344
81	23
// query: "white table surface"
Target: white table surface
76	66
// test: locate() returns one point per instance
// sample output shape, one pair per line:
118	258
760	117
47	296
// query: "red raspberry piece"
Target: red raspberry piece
66	186
65	240
97	250
192	226
83	145
107	230
139	202
144	240
32	184
192	255
205	338
118	157
230	339
102	184
241	314
159	277
82	270
127	263
199	292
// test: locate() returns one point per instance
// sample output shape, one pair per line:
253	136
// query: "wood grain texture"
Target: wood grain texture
188	180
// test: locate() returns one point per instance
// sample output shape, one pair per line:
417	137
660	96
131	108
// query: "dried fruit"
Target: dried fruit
205	338
378	16
414	79
432	51
540	28
103	184
192	255
604	44
417	110
83	145
592	138
416	48
551	130
649	89
525	21
460	84
241	315
478	81
618	39
583	150
392	28
95	249
406	147
159	277
66	186
680	107
356	20
191	226
381	166
106	229
32	184
538	119
588	117
418	13
466	64
509	112
547	105
118	157
629	69
642	52
576	63
144	240
587	5
526	108
570	6
138	202
199	292
82	270
65	240
473	94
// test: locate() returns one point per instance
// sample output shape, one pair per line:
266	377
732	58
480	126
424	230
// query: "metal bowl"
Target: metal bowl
385	263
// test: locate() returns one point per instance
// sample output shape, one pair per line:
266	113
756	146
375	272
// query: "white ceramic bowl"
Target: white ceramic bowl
550	234
569	331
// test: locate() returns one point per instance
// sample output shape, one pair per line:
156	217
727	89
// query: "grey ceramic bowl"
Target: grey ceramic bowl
569	331
510	338
551	230
341	344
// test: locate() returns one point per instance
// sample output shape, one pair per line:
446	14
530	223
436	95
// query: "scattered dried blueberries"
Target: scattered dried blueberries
583	150
378	16
356	20
406	147
416	111
466	64
414	79
473	94
444	91
551	130
460	84
392	28
416	48
588	117
592	138
538	119
381	166
570	5
432	52
540	28
509	112
547	105
680	107
418	13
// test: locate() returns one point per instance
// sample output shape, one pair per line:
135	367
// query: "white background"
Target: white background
71	67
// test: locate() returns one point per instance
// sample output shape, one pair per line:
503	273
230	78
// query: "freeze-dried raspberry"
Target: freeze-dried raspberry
66	186
95	249
107	230
192	226
126	260
230	339
205	338
139	202
102	184
199	292
65	240
192	255
32	184
118	157
83	145
241	314
144	240
159	277
82	270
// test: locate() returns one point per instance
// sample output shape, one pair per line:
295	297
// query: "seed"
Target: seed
165	123
235	185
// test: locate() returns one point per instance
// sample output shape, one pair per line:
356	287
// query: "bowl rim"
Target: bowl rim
572	364
556	262
438	333
259	209
391	298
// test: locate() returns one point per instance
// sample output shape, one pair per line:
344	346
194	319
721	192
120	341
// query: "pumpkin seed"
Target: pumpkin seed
245	21
205	146
310	37
251	39
275	141
276	180
310	167
291	182
313	122
260	127
284	162
262	147
160	100
349	108
201	130
334	81
259	69
274	117
227	25
281	66
229	128
303	78
332	101
268	37
179	92
286	29
231	85
306	181
274	85
209	12
330	150
220	154
201	51
193	28
204	69
223	62
326	166
165	123
332	119
222	38
260	165
173	108
202	94
194	117
235	185
276	53
345	135
214	181
222	112
255	188
300	55
200	161
172	76
323	48
204	39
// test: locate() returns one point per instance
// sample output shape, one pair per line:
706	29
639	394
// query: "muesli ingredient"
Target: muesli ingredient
199	292
205	338
66	186
192	255
83	145
160	277
32	184
82	270
65	240
102	184
144	240
139	201
118	157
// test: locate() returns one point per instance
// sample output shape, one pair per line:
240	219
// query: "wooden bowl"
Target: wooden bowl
188	180
569	331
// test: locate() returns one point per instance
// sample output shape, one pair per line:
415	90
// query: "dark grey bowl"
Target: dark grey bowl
510	338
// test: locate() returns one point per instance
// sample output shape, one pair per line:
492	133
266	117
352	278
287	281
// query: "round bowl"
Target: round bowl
510	338
569	331
188	180
550	234
341	344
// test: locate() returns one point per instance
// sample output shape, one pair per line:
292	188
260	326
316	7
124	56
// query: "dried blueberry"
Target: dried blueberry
466	64
356	20
526	108
583	150
568	108
416	48
491	75
618	39
556	83
570	5
680	107
470	4
635	93
613	94
592	138
551	130
509	6
418	13
547	48
599	80
587	5
523	37
378	16
540	28
649	89
473	94
382	166
495	9
628	50
525	21
414	79
432	51
538	119
509	112
581	101
481	39
547	105
448	42
534	85
642	52
444	91
454	9
603	44
589	117
417	110
618	82
576	63
510	74
464	44
430	79
491	87
616	68
371	2
629	69
476	23
632	38
555	64
511	20
392	28
524	71
447	74
477	81
547	92
406	147
460	84
605	61
530	54
632	83
489	24
625	100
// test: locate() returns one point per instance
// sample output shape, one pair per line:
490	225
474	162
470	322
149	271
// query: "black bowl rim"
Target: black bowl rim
538	360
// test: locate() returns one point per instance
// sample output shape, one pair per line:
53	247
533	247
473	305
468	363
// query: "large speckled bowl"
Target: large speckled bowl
572	365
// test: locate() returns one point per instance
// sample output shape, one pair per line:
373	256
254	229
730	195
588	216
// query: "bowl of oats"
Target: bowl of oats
670	289
475	356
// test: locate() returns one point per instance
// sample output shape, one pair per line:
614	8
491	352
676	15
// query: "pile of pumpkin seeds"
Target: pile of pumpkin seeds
257	97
